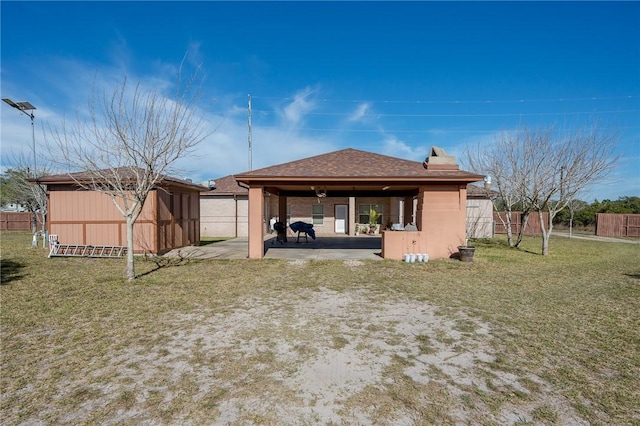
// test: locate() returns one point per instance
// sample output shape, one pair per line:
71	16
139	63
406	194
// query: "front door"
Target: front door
341	215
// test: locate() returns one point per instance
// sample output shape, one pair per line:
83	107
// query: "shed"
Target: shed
170	218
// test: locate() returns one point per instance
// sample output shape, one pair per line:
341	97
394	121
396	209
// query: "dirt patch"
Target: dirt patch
316	357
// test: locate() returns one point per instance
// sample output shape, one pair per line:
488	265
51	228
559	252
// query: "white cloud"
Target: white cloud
395	147
301	105
360	111
226	151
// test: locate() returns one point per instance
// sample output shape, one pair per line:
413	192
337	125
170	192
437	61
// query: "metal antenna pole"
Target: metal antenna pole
249	124
33	143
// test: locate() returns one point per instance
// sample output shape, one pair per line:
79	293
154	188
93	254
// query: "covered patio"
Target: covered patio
437	184
325	248
346	247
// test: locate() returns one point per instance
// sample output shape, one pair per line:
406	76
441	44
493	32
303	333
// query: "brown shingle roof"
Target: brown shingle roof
474	191
227	185
353	163
83	177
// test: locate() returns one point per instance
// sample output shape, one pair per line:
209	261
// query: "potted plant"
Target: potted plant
373	221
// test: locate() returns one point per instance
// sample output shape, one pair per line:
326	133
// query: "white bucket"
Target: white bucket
419	257
412	258
407	258
425	257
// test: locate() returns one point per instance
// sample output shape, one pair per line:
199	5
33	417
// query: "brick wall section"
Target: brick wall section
224	216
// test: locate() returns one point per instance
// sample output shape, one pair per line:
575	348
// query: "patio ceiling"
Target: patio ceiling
344	188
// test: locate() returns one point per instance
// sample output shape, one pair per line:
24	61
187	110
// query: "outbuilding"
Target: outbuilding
170	218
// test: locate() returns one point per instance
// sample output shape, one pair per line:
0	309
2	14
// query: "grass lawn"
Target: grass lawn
513	338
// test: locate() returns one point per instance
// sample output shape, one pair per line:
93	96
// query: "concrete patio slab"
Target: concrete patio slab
363	247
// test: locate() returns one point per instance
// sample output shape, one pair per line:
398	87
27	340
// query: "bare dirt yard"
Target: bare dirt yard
314	357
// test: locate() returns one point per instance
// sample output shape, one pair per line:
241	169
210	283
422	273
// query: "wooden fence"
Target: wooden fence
533	223
617	225
17	221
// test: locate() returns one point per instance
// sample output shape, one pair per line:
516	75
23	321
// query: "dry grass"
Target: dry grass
513	338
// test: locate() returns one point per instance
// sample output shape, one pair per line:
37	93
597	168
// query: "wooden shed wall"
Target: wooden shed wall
89	217
178	219
170	219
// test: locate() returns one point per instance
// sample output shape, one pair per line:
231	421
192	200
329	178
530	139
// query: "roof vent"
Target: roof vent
211	184
439	160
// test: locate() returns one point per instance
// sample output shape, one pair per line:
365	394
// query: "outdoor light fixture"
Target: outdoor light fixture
23	107
487	182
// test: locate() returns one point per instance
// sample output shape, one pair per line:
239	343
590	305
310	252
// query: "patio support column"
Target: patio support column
352	216
408	210
394	210
282	208
256	227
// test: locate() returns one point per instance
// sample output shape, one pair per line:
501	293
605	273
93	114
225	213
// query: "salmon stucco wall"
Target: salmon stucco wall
441	216
395	244
256	223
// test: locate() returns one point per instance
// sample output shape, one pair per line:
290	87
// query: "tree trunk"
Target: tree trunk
507	225
546	233
523	227
131	269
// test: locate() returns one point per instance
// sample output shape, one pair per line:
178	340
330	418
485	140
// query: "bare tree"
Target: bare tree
503	161
543	172
562	167
20	185
131	142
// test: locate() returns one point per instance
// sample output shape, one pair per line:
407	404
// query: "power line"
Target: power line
460	101
418	131
513	114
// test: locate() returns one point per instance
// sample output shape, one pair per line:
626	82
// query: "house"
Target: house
224	211
338	190
170	218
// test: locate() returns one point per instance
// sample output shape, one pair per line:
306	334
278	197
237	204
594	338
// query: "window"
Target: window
317	214
365	210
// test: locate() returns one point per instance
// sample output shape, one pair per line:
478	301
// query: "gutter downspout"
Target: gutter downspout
241	185
235	199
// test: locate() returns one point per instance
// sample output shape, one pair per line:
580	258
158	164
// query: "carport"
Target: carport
437	184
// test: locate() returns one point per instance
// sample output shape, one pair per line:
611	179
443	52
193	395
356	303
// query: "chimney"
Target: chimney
439	160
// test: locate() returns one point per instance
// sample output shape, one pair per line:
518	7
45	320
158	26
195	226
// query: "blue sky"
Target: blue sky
392	78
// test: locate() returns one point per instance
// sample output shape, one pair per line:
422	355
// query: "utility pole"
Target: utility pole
249	124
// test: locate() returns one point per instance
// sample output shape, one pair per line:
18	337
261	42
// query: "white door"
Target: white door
341	219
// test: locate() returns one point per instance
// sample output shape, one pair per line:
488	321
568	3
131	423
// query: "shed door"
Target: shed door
341	218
